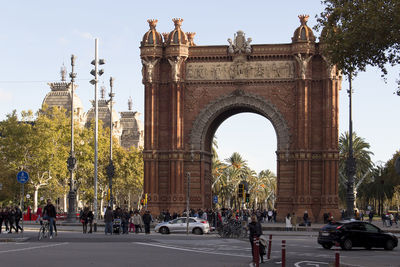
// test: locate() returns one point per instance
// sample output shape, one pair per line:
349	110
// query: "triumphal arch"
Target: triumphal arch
190	90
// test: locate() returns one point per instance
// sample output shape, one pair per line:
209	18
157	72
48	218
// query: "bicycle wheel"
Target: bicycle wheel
41	233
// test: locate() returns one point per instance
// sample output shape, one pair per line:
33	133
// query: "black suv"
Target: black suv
355	234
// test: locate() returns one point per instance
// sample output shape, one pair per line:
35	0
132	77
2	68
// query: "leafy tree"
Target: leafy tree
359	33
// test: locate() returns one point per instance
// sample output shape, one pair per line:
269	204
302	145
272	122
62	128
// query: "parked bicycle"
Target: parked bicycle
232	229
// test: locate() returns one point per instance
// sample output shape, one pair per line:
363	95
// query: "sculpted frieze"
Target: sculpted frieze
239	70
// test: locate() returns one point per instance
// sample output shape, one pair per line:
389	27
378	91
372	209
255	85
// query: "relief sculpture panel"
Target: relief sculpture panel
240	70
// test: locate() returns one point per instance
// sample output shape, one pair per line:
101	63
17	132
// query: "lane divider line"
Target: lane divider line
32	248
191	250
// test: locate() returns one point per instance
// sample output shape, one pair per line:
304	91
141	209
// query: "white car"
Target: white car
196	226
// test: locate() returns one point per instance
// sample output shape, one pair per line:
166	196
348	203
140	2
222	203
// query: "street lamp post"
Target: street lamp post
71	162
110	167
350	162
96	73
188	194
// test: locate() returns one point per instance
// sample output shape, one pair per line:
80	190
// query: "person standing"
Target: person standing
11	220
147	220
108	220
293	221
288	222
255	230
84	219
49	213
137	221
90	220
2	215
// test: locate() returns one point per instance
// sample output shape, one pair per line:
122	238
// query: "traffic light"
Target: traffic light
142	202
240	192
247	197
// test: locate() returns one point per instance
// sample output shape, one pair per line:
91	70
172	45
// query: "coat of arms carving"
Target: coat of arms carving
239	45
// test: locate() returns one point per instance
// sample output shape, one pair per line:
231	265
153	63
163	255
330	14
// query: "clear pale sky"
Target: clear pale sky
37	37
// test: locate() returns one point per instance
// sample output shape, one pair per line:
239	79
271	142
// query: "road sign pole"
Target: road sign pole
22	210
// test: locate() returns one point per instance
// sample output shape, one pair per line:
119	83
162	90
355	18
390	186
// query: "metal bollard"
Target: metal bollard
256	250
269	247
337	255
283	253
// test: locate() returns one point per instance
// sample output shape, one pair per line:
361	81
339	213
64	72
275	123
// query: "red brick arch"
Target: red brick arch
190	90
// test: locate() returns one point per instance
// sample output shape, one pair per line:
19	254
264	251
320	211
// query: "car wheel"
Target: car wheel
389	245
347	244
197	231
327	246
164	230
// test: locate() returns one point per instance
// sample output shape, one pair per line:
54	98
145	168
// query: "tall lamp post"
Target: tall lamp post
110	167
71	162
351	161
96	73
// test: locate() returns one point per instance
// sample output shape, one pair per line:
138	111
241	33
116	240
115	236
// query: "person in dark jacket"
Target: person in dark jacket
90	217
108	220
255	230
84	219
18	217
11	220
49	213
147	220
2	215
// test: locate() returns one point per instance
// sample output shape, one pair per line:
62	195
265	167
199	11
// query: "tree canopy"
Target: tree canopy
359	33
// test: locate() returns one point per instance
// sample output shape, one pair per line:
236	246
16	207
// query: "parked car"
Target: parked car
196	226
355	234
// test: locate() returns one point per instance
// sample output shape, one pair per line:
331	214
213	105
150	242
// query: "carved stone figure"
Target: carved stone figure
175	62
239	45
303	63
147	72
331	71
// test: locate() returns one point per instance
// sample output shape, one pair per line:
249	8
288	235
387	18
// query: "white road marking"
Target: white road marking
191	250
310	263
31	248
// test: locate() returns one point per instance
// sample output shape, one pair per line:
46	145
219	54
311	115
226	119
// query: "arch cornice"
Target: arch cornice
234	100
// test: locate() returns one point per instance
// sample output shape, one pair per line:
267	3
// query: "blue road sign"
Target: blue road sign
22	177
215	199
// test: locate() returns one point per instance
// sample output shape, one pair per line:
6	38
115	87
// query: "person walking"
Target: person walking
11	220
18	217
108	220
147	220
84	219
255	230
2	215
90	218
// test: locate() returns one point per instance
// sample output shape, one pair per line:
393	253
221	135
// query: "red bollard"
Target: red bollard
269	247
337	255
256	250
283	253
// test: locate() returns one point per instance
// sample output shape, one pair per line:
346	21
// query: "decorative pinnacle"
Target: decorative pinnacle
190	36
102	91
63	72
177	22
165	35
152	23
303	19
130	104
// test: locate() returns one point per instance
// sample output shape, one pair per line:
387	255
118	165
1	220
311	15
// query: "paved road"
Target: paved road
71	248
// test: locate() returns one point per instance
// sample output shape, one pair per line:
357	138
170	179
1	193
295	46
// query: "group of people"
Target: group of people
11	216
131	221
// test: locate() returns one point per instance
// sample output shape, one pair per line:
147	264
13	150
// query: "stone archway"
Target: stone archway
240	101
190	90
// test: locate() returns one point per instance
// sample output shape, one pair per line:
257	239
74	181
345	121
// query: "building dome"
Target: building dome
177	36
152	37
303	33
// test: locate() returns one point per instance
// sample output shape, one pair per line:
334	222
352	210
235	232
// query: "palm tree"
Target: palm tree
364	164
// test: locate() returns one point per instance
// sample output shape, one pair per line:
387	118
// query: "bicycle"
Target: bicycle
44	230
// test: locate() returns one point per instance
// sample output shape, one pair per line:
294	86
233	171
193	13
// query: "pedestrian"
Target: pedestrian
90	218
84	219
18	217
306	220
370	216
293	221
11	220
255	230
147	220
288	222
137	221
131	224
108	220
2	216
